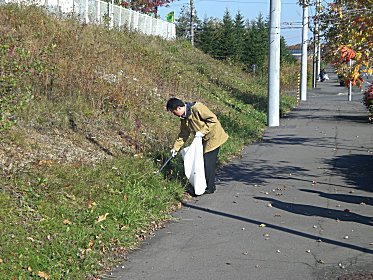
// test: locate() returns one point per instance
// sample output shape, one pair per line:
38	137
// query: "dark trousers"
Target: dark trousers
210	160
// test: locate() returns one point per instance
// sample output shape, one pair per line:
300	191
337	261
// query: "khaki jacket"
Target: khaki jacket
203	120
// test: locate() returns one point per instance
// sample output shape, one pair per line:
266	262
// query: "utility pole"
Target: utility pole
274	65
316	46
318	7
303	81
315	53
191	22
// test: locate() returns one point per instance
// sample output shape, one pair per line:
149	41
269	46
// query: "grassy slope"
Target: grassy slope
78	188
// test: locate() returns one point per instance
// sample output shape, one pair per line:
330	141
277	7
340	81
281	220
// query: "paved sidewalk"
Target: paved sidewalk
298	205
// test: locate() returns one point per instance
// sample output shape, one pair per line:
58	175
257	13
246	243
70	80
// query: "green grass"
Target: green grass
66	221
75	216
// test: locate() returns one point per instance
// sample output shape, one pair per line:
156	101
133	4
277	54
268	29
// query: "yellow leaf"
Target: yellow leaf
358	56
262	225
66	222
43	275
92	204
102	218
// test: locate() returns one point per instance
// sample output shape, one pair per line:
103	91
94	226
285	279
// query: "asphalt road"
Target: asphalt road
297	205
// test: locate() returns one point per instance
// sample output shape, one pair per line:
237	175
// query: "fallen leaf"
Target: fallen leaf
66	222
43	275
71	196
102	218
262	225
92	204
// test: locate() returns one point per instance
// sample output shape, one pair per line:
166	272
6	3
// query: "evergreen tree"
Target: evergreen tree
226	37
256	45
238	37
207	37
183	23
244	42
285	55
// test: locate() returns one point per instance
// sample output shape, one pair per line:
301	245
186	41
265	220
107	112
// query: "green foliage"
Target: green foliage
62	220
233	40
226	38
207	38
239	33
256	45
183	23
14	91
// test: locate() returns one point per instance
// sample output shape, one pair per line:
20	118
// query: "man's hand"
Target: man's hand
199	134
173	153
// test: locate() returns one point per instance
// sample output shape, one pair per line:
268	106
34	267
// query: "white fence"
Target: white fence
97	12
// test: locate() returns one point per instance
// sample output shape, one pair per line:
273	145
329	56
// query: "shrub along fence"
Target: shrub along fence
100	12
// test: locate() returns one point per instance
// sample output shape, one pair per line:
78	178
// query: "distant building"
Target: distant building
297	54
296	51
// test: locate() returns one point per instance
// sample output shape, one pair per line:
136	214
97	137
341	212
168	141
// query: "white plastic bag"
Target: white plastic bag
193	165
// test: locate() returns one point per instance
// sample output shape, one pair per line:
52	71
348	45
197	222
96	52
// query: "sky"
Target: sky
291	13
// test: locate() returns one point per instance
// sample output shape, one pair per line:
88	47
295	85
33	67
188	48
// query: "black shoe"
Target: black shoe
209	191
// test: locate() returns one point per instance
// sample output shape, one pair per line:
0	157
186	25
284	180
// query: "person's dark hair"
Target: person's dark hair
173	103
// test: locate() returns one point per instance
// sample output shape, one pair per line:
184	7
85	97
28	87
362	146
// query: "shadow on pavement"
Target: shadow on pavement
353	199
310	181
283	229
320	142
249	174
355	168
308	210
358	119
